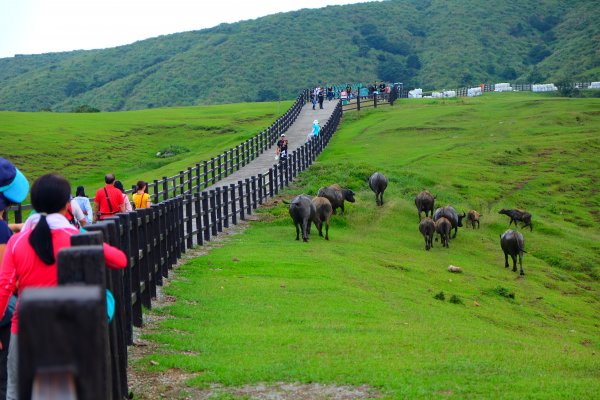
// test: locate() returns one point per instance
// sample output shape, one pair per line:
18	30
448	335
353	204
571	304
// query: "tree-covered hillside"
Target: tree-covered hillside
428	43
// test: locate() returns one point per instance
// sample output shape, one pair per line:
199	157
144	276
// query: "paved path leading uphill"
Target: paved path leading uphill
296	136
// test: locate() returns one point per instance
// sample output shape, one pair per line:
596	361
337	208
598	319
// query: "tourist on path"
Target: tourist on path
84	204
13	189
141	199
30	256
119	186
108	200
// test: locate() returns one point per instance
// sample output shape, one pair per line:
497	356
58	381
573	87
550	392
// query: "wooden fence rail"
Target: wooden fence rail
154	238
209	172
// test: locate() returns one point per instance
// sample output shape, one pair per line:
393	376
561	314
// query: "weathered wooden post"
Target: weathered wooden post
63	344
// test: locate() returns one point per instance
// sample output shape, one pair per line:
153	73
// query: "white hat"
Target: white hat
283	134
315	121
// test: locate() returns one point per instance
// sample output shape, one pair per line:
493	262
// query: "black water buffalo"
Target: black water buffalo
443	227
323	214
303	213
512	244
450	213
378	183
336	196
473	217
425	201
427	229
518	215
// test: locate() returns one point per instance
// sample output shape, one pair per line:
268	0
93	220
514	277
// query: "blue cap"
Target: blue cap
13	184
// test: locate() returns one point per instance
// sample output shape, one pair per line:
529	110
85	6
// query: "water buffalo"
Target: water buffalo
378	183
427	229
450	213
512	244
303	213
518	215
425	201
443	227
472	217
336	196
323	214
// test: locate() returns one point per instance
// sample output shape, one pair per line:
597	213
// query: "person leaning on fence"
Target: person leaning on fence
13	189
141	198
108	200
84	204
119	186
329	93
282	148
30	256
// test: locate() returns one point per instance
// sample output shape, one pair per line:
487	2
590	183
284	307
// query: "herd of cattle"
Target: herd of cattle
318	210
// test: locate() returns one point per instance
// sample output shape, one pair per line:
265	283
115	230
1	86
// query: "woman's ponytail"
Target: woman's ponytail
50	194
41	241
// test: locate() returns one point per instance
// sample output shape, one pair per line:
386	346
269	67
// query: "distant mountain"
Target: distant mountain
425	43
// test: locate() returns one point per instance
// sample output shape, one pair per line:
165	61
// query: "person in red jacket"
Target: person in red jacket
30	256
108	200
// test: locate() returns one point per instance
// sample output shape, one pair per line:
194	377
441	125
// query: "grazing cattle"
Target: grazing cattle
378	183
323	214
336	196
518	215
450	213
512	244
425	201
427	229
303	213
472	217
443	227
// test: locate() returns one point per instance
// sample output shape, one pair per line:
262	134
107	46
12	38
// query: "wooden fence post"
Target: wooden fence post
197	207
233	204
225	191
63	330
241	197
206	216
205	174
219	208
248	197
190	221
271	189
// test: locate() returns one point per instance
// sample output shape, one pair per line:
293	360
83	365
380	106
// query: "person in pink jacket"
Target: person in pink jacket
30	256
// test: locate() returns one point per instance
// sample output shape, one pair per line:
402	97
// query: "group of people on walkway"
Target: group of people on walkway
318	96
28	251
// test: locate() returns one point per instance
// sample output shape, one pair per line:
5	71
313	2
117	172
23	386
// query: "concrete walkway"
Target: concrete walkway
296	136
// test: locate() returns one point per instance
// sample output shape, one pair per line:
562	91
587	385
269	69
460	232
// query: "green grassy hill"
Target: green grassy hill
361	308
432	44
84	147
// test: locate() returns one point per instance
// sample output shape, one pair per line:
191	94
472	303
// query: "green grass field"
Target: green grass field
360	309
84	147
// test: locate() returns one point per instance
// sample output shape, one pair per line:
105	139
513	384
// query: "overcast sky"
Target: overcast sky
43	26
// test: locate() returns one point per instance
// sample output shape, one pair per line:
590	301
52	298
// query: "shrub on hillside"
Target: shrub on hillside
85	109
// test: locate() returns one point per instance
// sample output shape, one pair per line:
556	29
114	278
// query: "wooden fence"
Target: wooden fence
155	238
209	172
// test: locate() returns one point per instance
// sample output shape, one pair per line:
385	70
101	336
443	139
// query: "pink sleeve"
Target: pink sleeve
7	276
115	258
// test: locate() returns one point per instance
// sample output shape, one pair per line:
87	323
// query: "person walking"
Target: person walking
141	198
282	148
84	204
108	200
13	189
321	98
329	93
126	201
30	256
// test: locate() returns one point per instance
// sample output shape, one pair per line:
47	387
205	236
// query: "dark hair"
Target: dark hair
141	185
49	194
119	186
109	178
80	192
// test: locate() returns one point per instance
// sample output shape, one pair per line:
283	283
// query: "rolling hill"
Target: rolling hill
433	44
